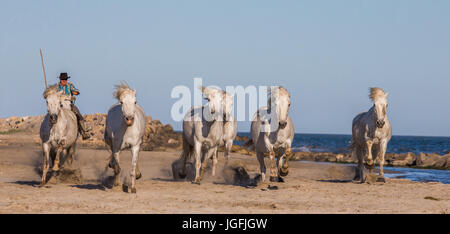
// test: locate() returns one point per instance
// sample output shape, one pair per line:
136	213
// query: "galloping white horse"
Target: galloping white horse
125	128
58	131
272	131
371	132
203	130
229	131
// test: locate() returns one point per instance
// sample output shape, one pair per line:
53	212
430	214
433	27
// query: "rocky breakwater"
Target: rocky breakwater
423	160
158	136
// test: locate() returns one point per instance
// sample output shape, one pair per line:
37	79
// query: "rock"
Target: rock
429	160
399	163
239	138
172	141
410	159
441	162
339	158
235	148
446	159
242	151
332	158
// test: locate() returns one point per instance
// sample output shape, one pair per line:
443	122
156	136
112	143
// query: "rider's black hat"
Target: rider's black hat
63	76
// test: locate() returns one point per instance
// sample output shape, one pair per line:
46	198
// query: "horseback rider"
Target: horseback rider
69	89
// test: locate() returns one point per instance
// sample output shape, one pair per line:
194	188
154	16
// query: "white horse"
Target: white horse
272	132
371	132
125	128
59	130
203	130
229	131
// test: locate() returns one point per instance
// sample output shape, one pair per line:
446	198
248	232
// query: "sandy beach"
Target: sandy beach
309	188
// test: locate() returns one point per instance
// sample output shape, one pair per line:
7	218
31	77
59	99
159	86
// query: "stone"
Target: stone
429	160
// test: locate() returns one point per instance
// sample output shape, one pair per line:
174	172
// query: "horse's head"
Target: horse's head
53	99
127	99
380	104
214	98
227	105
66	102
279	100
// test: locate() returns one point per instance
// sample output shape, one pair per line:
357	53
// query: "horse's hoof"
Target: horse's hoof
281	180
283	173
196	182
42	184
133	190
273	179
138	176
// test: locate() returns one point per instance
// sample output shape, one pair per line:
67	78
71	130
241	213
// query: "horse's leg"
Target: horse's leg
116	168
214	161
46	165
184	156
70	154
211	153
206	157
382	152
359	174
370	163
138	172
197	154
57	157
284	166
228	146
262	165
375	152
134	160
273	166
62	158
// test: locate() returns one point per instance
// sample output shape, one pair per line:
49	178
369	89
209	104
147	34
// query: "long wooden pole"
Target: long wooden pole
43	68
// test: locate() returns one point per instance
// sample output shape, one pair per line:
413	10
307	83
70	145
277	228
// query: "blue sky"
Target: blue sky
327	53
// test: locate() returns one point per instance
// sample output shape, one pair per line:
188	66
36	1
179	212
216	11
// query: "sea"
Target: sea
337	143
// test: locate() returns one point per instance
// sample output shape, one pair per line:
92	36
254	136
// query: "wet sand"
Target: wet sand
309	188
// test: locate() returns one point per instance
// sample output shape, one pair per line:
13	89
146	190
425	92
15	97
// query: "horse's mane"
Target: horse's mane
281	91
376	93
121	89
52	89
